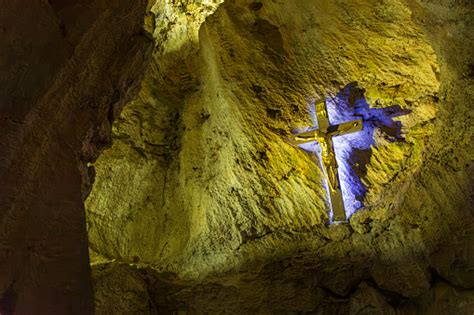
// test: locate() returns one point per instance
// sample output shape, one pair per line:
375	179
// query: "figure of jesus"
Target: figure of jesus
328	158
323	135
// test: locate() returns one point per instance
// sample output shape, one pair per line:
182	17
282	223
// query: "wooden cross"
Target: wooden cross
323	135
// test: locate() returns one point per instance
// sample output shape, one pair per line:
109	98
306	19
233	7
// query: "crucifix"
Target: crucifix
323	135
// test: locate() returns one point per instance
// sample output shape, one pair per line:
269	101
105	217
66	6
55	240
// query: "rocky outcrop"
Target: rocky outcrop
205	205
208	207
205	144
66	70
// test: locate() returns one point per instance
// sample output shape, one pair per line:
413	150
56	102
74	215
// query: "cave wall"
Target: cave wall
66	69
443	187
202	206
206	143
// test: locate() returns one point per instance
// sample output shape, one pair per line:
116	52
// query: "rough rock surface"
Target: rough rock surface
201	204
66	68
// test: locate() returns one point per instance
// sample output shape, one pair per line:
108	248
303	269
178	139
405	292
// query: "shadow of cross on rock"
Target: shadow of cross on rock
353	151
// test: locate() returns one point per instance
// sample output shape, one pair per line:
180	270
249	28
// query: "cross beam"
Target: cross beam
323	135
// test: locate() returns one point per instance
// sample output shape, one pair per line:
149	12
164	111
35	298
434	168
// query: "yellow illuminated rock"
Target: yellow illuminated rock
202	205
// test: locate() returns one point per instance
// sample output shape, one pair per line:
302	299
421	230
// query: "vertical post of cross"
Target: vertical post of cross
323	135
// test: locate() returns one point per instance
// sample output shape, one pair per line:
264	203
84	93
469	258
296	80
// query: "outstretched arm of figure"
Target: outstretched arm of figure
305	137
345	128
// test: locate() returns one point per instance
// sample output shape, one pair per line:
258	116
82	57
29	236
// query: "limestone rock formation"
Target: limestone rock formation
66	68
201	204
204	201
